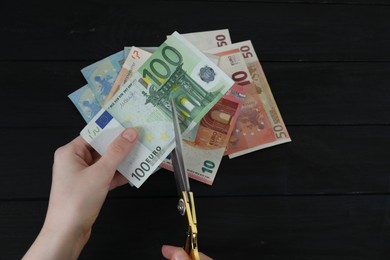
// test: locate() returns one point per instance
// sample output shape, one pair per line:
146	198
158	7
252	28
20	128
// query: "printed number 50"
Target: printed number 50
221	40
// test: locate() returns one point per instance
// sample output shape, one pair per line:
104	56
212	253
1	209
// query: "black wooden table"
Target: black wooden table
323	196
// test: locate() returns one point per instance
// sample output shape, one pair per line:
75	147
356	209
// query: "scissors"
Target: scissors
186	204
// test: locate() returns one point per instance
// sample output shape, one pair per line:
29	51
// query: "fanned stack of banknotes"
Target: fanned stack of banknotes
219	89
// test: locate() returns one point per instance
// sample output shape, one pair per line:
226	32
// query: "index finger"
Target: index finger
80	143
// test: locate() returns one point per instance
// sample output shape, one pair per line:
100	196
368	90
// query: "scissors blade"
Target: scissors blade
177	155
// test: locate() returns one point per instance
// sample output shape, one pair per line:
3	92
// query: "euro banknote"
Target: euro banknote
209	39
85	102
135	58
85	99
203	41
101	75
147	49
260	124
214	130
176	71
88	102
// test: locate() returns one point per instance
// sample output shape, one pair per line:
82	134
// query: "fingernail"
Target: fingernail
130	134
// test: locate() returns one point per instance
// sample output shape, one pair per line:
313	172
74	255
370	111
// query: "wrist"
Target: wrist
71	238
58	242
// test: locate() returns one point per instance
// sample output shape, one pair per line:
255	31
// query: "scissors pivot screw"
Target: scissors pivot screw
181	207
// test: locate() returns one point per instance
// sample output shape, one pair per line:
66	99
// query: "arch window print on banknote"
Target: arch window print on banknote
260	124
224	103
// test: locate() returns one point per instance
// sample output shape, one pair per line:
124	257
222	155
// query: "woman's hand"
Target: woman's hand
81	181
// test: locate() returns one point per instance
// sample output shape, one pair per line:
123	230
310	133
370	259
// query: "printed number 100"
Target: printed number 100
208	166
159	69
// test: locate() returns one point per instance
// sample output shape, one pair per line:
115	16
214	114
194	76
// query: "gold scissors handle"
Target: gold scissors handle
191	246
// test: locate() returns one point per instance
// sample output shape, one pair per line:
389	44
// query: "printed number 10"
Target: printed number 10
208	166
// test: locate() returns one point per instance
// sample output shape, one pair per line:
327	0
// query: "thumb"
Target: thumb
178	253
117	151
174	253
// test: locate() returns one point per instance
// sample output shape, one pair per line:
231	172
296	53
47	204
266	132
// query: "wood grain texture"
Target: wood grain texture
281	32
307	228
320	160
307	93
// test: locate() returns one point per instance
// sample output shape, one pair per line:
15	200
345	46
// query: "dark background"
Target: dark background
323	196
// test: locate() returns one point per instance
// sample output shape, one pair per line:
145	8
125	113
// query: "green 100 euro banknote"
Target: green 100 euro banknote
176	71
